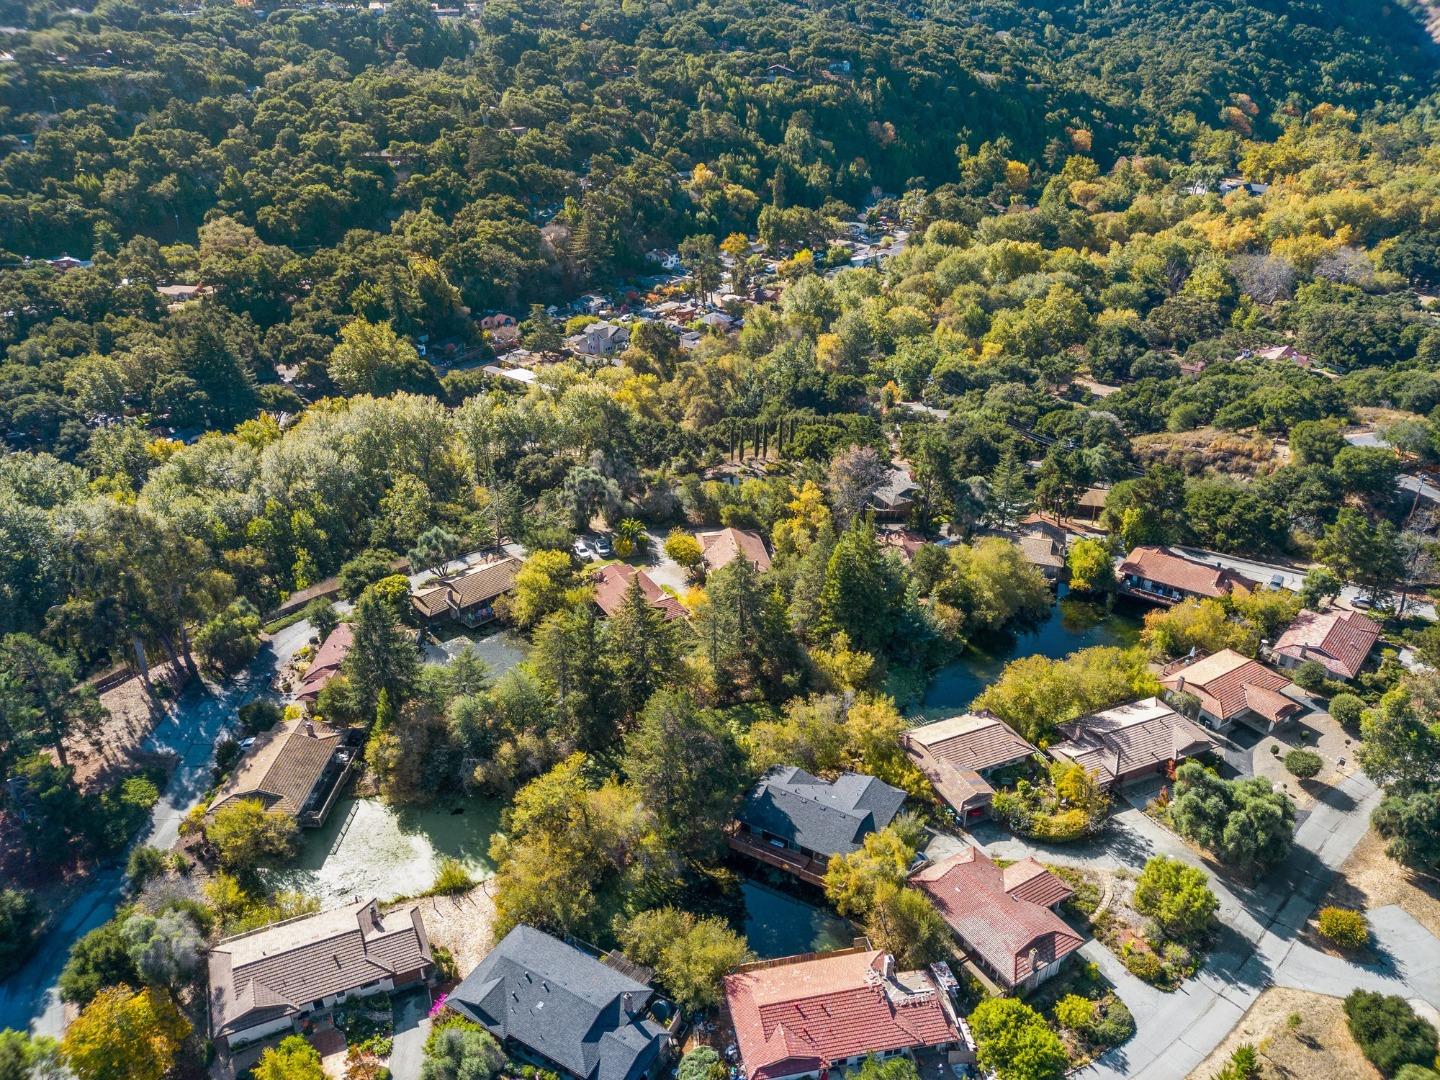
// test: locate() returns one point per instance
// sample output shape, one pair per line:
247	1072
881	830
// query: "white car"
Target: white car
582	549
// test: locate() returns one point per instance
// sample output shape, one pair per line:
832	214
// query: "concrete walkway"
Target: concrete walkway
29	999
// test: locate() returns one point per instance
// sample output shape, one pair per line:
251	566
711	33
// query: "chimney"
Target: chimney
1180	684
627	1003
309	729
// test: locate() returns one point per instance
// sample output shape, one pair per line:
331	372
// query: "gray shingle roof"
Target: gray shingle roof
831	819
557	1001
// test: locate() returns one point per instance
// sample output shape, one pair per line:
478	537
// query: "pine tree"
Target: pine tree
640	650
383	657
1008	497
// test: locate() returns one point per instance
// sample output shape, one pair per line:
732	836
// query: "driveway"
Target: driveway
412	1028
1257	944
189	729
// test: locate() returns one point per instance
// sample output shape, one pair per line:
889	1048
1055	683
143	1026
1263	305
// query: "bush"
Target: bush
1343	927
1304	764
702	1063
1075	1012
1388	1032
99	960
1145	966
258	716
452	878
1114	1025
445	966
145	864
1176	896
1311	675
245	834
1346	709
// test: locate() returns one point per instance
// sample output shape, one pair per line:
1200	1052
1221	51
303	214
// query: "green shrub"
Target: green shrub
1114	1025
1075	1012
145	864
1344	927
258	716
451	878
1346	709
1311	675
1388	1032
1304	764
702	1063
445	966
1145	966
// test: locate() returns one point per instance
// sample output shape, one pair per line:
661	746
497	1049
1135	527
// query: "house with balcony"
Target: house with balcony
1160	576
298	768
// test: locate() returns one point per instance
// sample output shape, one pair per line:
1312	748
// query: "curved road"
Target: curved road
29	999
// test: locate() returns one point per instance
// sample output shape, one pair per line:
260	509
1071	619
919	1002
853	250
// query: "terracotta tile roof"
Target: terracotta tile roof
612	582
326	664
478	585
1228	684
969	741
1012	934
1341	640
1130	738
1166	568
719	548
1029	881
277	970
809	1014
282	767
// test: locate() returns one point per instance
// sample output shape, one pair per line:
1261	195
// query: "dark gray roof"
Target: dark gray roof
831	819
562	1004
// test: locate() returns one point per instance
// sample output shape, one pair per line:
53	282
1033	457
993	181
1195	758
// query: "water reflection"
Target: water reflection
778	924
1073	623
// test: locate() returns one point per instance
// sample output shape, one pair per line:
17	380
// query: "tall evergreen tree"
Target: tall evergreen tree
383	657
862	591
640	650
1007	495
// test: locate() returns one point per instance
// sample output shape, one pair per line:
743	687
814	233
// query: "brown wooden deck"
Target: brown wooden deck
792	862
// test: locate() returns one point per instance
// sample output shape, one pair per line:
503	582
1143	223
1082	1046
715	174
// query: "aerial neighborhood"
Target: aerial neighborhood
750	541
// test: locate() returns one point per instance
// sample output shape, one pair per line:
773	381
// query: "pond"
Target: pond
1073	624
367	848
778	924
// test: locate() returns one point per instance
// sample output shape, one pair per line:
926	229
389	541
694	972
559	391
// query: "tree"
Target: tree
701	257
1362	552
1319	586
1409	822
862	592
19	919
1388	1032
383	656
1014	1042
41	700
245	834
641	649
165	949
320	613
703	1063
689	954
26	1057
1176	896
1062	479
1035	693
433	549
1090	565
98	960
1007	494
292	1059
1247	823
124	1035
461	1051
684	549
544	584
372	359
1400	742
854	475
230	638
742	632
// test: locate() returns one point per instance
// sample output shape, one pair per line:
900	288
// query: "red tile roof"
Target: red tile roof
613	581
328	658
1228	684
721	547
1188	576
807	1014
1012	934
1341	640
1130	738
1029	881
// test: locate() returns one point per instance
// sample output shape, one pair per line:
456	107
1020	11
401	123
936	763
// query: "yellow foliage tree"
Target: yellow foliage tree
124	1035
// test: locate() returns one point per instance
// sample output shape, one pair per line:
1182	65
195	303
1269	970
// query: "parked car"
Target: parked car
582	549
1277	581
601	546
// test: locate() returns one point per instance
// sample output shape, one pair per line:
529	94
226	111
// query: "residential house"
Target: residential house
613	582
718	321
798	822
591	304
1091	504
264	982
780	71
1002	916
1233	687
600	339
1044	553
522	375
1285	352
550	1002
1160	576
719	548
959	754
498	320
176	295
894	498
297	767
326	663
470	596
1131	742
69	262
1236	183
1340	640
813	1016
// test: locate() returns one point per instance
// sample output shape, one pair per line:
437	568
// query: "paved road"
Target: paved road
1258	945
189	729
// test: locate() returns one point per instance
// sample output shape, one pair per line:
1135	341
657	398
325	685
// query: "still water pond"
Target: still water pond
778	924
1073	624
369	849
